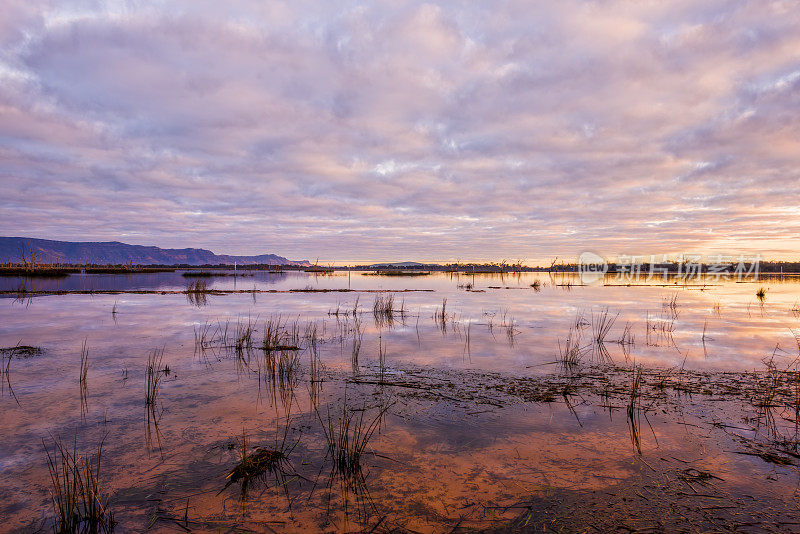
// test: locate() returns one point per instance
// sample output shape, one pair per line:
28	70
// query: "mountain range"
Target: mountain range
48	251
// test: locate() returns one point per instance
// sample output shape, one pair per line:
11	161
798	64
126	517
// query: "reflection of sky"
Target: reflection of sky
149	281
441	456
386	132
739	336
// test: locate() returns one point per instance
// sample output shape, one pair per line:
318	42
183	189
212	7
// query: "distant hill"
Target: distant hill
115	253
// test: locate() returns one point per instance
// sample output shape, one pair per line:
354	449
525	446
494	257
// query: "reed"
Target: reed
383	310
348	436
633	409
153	372
671	304
244	335
571	353
280	336
440	316
358	337
601	325
205	336
5	374
761	294
197	292
313	351
627	338
255	465
79	500
82	380
659	331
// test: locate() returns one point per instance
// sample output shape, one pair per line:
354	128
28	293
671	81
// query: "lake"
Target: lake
352	401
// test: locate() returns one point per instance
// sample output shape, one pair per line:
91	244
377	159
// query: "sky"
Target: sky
391	131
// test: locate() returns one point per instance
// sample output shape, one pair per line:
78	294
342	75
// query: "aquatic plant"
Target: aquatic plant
348	436
253	466
383	310
761	294
571	353
278	336
78	497
601	325
358	337
440	316
82	379
153	372
633	409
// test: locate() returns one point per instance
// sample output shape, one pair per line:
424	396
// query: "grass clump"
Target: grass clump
761	294
79	501
84	391
254	465
347	438
571	353
601	325
280	336
383	309
21	351
153	372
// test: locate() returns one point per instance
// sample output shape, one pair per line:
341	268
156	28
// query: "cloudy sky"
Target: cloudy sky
352	131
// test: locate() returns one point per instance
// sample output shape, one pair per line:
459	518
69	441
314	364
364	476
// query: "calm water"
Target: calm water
437	461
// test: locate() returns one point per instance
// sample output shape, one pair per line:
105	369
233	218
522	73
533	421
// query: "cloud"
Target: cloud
358	132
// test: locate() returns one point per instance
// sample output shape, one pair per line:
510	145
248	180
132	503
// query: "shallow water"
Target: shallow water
439	460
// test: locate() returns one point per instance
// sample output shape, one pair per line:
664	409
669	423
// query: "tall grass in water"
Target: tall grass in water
358	337
82	380
196	293
635	410
314	365
381	357
383	310
601	325
761	294
660	331
153	372
79	501
282	353
278	335
571	353
206	337
508	323
255	465
440	316
670	304
5	374
244	335
347	438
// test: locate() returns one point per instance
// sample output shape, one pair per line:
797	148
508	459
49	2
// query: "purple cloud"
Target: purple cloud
358	132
